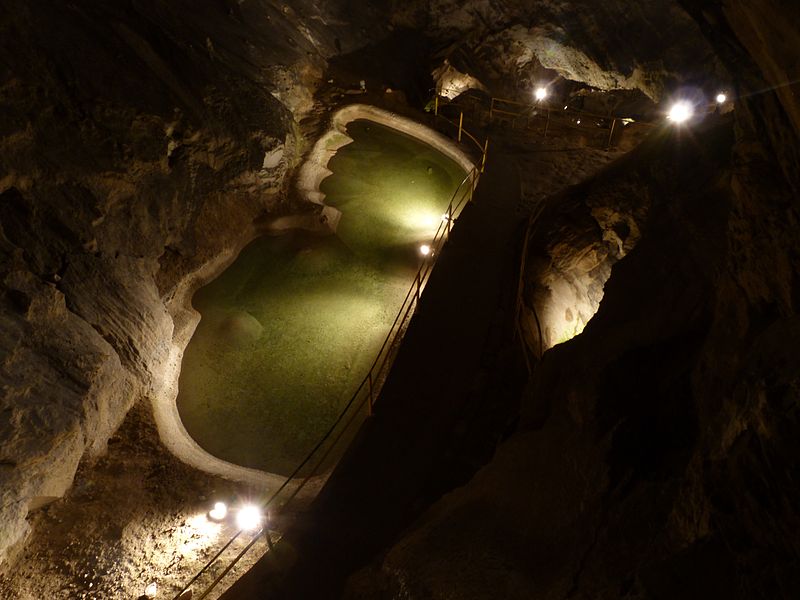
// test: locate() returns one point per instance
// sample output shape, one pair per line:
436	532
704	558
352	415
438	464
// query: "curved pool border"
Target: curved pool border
185	318
315	169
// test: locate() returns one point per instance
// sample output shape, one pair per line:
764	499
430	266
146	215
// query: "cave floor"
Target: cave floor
289	330
136	516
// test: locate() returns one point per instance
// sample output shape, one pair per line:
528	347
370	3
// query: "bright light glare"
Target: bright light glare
151	590
248	517
721	98
541	93
219	512
425	250
681	112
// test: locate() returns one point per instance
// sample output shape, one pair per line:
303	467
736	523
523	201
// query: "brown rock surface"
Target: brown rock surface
649	45
138	141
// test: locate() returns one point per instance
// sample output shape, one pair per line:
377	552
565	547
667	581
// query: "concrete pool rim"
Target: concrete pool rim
171	429
315	169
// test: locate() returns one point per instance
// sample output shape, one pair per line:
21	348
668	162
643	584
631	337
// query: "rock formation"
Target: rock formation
650	46
656	452
138	140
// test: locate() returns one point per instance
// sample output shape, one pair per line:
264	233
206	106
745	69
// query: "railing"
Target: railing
519	330
541	118
365	395
569	118
482	147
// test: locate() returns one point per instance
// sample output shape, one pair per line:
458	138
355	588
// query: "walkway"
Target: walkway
394	468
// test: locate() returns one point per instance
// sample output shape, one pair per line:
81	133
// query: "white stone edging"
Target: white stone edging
315	169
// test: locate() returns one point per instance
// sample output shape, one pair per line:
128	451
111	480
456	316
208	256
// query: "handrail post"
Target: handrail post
547	124
460	125
491	110
485	151
436	104
419	283
611	135
449	217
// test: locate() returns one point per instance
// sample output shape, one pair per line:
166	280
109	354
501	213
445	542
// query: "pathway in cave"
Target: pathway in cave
290	329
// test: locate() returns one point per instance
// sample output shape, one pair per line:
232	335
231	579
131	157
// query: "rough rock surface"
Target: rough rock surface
650	45
657	451
133	517
576	237
137	141
656	455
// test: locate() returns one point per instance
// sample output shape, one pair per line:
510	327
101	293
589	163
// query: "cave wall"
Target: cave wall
576	239
657	454
651	46
139	140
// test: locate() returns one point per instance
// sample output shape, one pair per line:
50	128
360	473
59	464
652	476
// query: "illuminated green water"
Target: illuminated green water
290	329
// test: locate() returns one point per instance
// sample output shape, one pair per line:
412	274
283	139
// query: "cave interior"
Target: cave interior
598	395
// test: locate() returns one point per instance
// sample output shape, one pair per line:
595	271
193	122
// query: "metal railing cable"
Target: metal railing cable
588	123
533	221
231	565
462	131
367	390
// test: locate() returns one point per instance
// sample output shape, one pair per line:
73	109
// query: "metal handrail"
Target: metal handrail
368	384
577	111
508	111
482	146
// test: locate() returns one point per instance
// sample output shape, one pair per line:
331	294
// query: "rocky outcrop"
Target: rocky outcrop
651	46
574	242
138	141
656	451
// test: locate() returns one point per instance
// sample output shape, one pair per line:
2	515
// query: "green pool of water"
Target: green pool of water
290	329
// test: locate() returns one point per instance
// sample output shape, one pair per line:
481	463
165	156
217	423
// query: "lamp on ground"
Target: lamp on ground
425	250
722	98
218	513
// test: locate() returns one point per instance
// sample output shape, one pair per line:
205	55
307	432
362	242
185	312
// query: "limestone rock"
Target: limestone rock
652	46
137	143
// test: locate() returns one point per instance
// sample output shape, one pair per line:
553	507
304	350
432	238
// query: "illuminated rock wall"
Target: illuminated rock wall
138	142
